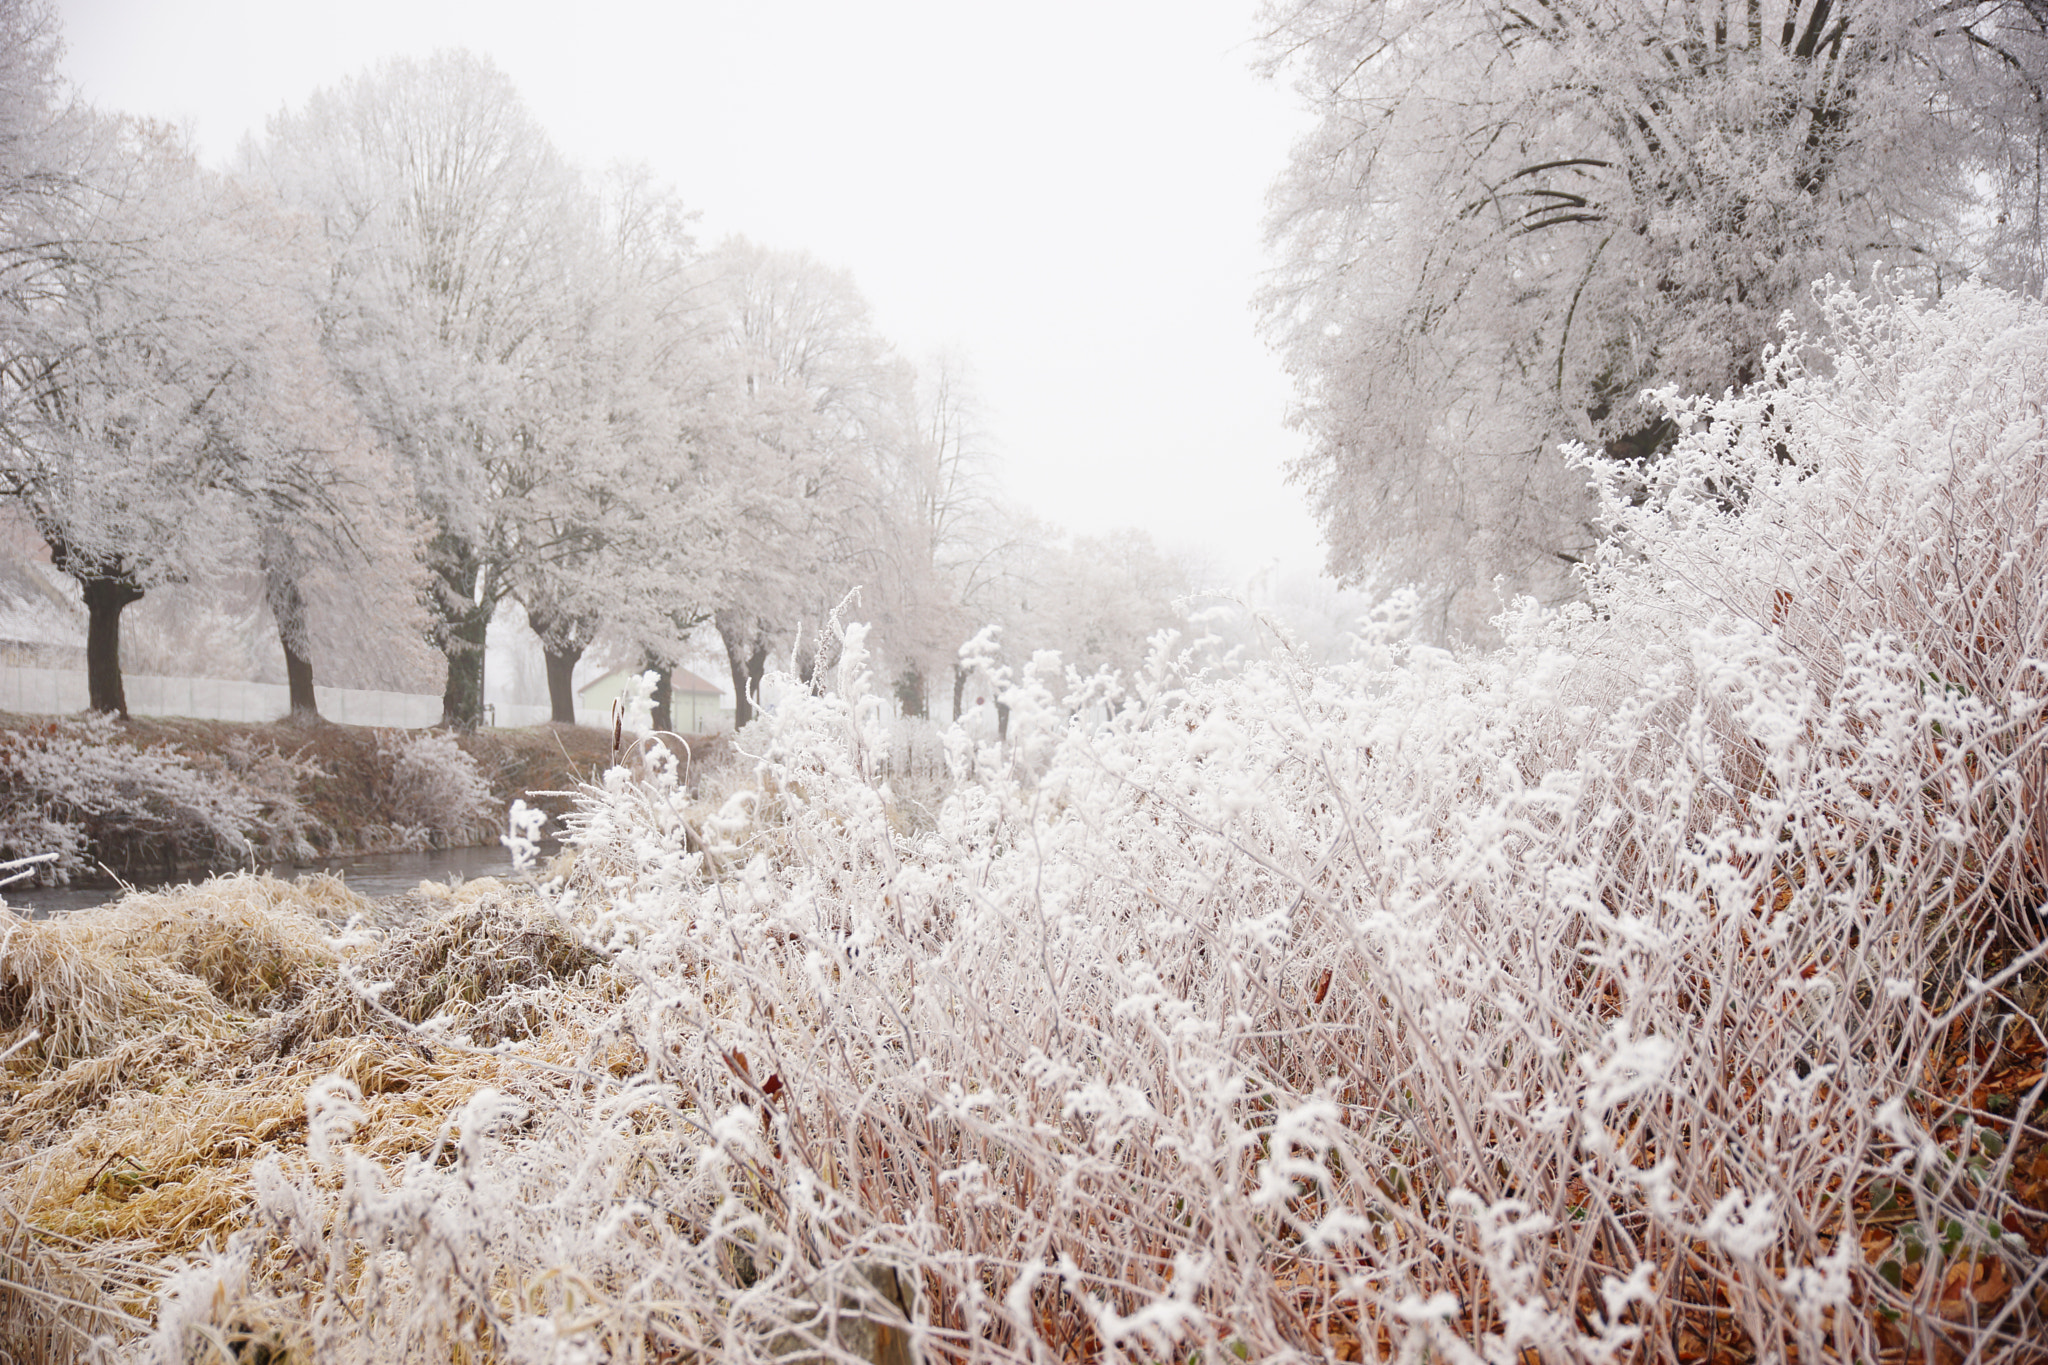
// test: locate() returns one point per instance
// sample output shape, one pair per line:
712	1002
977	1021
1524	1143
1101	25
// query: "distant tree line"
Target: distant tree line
405	364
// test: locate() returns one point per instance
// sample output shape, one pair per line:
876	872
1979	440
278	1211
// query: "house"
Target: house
696	703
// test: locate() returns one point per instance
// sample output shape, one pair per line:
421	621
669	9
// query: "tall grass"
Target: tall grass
1660	984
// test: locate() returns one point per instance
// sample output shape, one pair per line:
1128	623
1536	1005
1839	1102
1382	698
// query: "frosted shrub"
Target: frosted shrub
1651	988
276	782
436	793
78	789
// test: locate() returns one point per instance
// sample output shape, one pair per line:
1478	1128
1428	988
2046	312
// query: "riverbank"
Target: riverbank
159	1051
157	798
373	876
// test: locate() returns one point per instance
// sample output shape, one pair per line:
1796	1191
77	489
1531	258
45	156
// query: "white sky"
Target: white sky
1068	191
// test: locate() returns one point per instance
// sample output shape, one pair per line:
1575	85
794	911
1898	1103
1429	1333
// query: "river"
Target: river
367	874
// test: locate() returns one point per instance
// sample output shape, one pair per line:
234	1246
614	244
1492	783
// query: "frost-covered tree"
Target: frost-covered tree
1509	221
46	142
338	540
937	531
164	392
810	398
1098	599
445	205
621	546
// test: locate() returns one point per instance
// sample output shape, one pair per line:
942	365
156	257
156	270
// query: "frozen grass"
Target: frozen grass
1662	986
486	965
185	959
147	1082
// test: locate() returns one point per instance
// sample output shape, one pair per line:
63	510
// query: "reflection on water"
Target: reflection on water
367	874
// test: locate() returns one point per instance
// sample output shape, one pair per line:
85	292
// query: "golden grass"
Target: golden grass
175	1038
185	961
63	1000
169	1165
479	964
255	940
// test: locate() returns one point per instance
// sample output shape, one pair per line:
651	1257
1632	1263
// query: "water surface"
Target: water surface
367	874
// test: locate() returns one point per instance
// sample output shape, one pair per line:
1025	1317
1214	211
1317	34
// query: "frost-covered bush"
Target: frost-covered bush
76	788
436	794
81	790
1651	988
276	782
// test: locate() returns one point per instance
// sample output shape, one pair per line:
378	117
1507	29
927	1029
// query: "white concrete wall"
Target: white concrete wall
62	691
58	691
707	715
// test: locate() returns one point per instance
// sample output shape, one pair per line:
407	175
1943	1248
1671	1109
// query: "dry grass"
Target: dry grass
254	940
182	961
477	965
62	1002
175	1037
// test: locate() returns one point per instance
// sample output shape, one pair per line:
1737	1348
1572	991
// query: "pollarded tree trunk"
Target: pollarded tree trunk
288	610
662	709
105	598
298	677
564	639
462	701
466	592
561	665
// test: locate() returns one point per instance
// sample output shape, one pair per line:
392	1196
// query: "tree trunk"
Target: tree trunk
757	667
662	711
959	689
462	701
911	693
298	676
104	600
288	609
746	652
288	612
561	663
742	704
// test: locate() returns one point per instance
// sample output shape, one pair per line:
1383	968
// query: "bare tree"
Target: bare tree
445	206
166	398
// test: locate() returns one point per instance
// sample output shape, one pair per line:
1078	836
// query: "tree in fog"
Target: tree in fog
938	533
621	546
810	395
343	580
444	205
164	392
1510	221
1099	599
47	142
